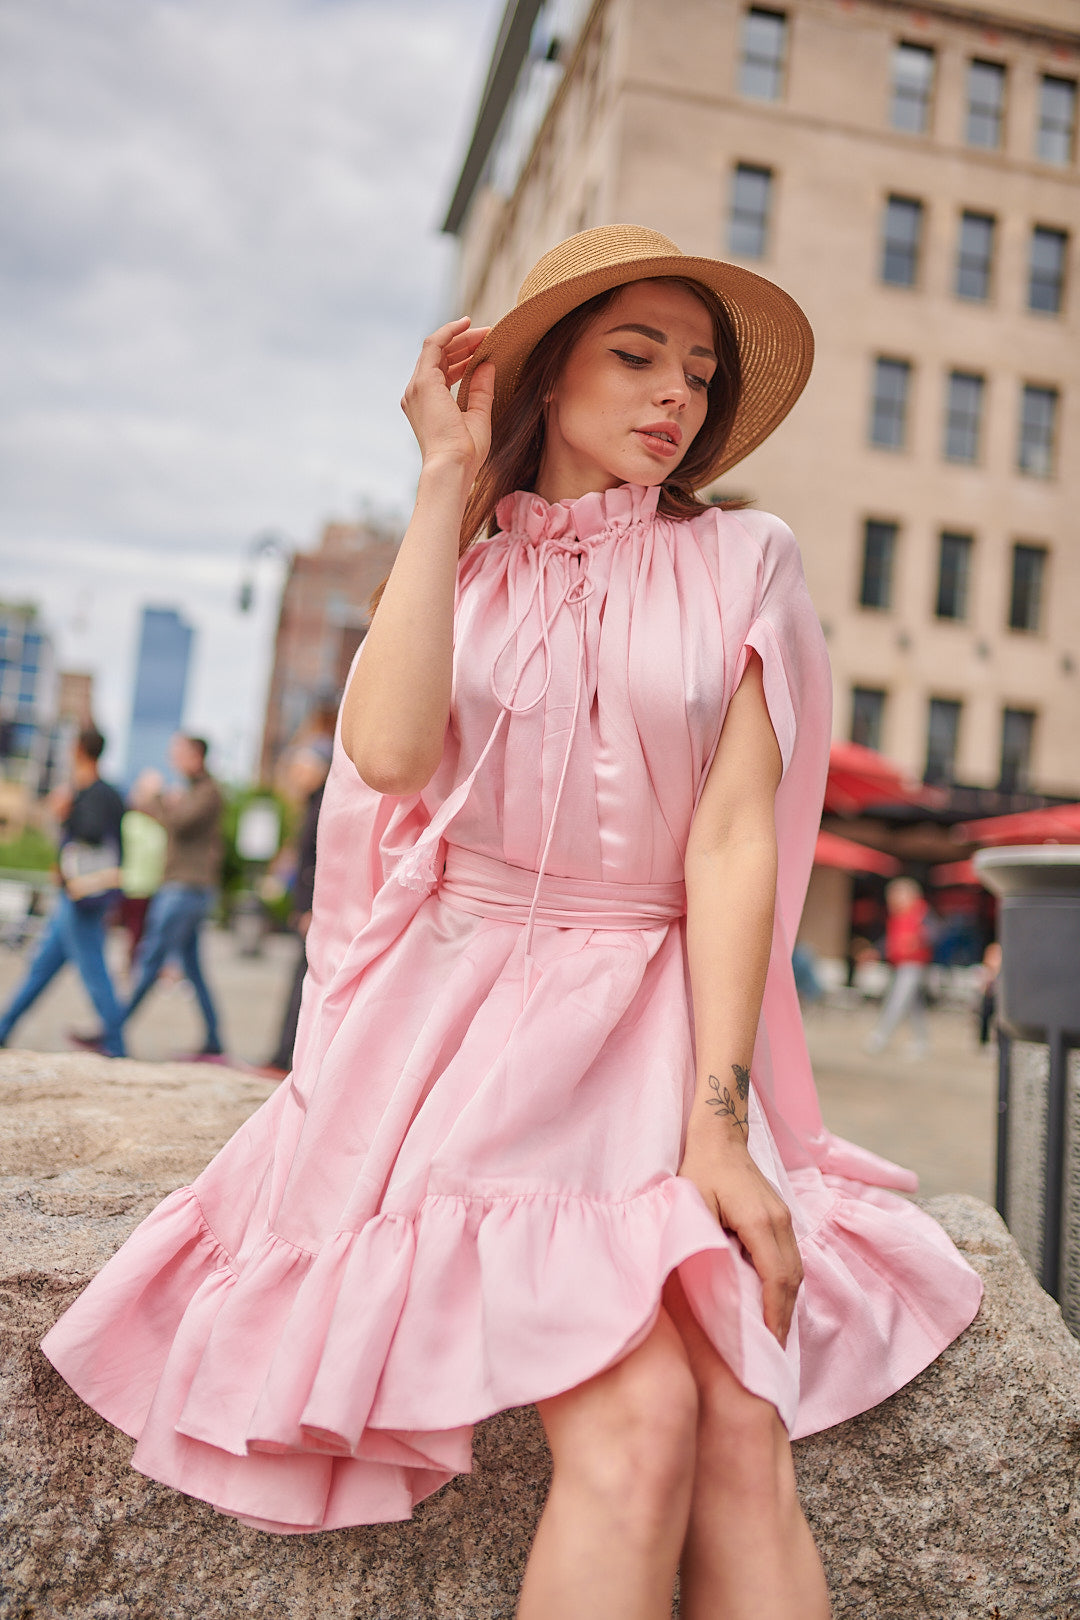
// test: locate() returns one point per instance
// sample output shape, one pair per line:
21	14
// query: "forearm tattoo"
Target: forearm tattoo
724	1105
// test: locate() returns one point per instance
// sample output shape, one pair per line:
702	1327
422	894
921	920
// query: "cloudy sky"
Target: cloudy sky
219	250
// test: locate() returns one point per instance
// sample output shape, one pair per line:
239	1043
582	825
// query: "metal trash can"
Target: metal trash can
1038	1014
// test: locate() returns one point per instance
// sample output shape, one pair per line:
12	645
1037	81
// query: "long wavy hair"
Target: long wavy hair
517	443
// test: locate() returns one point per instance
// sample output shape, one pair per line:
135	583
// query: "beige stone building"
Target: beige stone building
323	618
910	175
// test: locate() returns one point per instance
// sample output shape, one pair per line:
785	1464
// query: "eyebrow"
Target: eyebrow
659	337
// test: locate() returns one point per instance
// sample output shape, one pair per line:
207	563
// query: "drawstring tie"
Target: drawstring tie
416	869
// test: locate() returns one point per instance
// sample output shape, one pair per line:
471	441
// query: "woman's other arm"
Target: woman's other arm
396	708
731	892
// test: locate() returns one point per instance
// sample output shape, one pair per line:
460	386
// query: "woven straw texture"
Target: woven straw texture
776	345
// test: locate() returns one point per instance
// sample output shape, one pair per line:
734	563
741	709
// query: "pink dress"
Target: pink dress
465	1197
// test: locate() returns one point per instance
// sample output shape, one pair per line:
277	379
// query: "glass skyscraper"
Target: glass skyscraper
157	704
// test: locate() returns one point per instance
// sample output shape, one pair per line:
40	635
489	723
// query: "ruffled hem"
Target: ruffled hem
303	1391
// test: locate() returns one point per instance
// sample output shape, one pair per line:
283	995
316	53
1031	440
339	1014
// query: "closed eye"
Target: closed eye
696	382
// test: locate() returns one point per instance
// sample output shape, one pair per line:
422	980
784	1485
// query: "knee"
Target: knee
634	1443
743	1447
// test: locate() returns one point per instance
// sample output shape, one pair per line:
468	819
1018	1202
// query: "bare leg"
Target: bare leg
749	1554
623	1448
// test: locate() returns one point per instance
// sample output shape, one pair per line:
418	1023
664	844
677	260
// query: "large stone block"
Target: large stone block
956	1500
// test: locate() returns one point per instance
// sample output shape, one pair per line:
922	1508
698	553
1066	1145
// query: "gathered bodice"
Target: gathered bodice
589	680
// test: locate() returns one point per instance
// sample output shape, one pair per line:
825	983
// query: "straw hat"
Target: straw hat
776	345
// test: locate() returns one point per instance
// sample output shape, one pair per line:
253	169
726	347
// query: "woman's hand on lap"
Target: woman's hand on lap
443	431
747	1205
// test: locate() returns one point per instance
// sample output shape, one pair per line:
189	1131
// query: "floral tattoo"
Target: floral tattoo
724	1105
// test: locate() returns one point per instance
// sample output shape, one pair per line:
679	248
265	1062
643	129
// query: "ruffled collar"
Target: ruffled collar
591	517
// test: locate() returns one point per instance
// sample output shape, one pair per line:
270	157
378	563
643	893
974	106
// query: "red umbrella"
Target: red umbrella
1059	824
849	856
860	776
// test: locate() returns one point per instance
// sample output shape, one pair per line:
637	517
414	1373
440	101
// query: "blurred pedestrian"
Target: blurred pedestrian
989	975
89	875
308	768
909	950
191	816
144	845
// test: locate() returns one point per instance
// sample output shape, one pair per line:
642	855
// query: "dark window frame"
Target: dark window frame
772	65
943	717
741	218
955	551
1051	279
975	243
894	408
1037	446
1027	586
909	94
1014	772
901	250
1047	130
878	563
982	72
964	409
868	704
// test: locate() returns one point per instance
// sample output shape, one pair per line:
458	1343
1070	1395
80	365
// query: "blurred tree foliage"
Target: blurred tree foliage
32	851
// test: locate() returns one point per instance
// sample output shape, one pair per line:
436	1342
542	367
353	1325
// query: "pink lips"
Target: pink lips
662	446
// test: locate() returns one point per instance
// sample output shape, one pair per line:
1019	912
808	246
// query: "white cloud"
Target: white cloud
219	253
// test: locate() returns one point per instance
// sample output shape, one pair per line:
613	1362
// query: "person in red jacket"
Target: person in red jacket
909	951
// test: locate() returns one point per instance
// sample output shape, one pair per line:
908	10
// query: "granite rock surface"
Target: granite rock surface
959	1499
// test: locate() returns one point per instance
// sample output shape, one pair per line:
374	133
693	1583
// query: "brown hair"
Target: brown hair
517	444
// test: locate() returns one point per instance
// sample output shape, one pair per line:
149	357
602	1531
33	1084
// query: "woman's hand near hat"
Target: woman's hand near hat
397	705
442	430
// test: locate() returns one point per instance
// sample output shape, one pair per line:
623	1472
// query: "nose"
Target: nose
672	387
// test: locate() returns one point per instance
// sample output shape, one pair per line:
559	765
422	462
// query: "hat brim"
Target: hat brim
776	344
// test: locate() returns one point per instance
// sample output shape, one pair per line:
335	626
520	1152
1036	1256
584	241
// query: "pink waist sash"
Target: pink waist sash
486	887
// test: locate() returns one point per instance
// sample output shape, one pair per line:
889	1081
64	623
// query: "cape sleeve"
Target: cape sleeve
786	633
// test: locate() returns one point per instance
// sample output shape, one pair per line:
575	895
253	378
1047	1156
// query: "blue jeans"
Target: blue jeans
172	928
72	934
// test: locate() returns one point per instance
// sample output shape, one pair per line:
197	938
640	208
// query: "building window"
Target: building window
867	716
764	44
986	103
963	416
1046	278
954	571
902	237
1038	424
892	385
974	255
1057	119
1017	737
1026	595
879	549
942	732
912	88
749	211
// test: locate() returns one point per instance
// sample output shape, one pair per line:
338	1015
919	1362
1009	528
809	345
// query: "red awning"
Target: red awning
950	872
860	776
1059	824
849	856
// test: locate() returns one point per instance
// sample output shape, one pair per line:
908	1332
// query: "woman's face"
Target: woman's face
632	395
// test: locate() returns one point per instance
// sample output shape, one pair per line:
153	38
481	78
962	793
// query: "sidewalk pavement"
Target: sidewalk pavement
935	1115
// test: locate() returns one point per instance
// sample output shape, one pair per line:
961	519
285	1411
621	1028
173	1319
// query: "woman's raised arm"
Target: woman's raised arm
397	705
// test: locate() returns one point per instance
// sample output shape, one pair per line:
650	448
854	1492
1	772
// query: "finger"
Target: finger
777	1263
482	389
467	342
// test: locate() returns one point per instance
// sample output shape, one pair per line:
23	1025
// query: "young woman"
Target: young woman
551	1133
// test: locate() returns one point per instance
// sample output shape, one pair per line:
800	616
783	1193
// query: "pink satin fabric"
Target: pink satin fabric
466	1196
